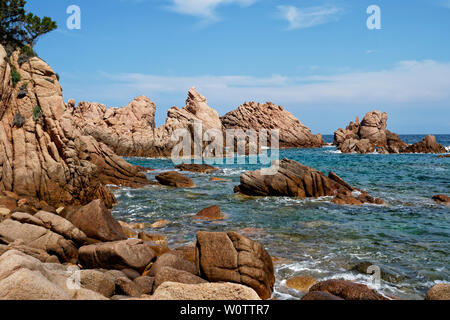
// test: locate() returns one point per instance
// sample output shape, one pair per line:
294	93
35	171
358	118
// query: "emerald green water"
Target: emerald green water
409	236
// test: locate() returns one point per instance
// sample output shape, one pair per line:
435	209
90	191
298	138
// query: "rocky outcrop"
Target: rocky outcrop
130	130
175	261
43	154
296	180
347	290
231	257
301	283
258	116
427	145
204	291
368	136
371	136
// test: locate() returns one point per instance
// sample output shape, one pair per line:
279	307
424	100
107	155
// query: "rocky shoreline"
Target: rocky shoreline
59	240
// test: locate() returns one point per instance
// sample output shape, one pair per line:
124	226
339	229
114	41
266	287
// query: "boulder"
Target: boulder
427	145
210	213
296	180
132	253
97	281
386	275
231	257
39	238
144	284
97	222
347	290
442	199
39	254
204	291
23	277
62	226
160	224
173	275
174	261
174	179
440	291
301	283
125	286
199	168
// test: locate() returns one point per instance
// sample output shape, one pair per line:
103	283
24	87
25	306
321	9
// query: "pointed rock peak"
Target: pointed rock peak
194	95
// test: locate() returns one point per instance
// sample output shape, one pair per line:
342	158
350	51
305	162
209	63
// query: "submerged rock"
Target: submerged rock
442	199
210	213
201	168
174	179
301	283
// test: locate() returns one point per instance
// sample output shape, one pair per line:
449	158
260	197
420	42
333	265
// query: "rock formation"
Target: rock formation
296	180
231	257
368	136
130	130
346	290
257	116
42	153
427	145
371	135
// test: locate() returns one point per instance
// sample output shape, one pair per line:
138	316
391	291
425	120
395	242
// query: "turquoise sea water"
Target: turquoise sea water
408	237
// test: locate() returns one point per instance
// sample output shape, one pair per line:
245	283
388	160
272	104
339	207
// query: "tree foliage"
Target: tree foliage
19	27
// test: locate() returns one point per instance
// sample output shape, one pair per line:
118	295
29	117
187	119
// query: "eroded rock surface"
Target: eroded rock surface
231	257
257	116
43	154
293	179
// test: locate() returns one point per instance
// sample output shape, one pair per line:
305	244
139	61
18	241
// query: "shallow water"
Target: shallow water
409	237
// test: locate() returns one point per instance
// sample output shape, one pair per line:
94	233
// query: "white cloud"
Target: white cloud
407	82
204	8
301	18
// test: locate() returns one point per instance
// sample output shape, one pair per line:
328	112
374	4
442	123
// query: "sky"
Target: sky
316	58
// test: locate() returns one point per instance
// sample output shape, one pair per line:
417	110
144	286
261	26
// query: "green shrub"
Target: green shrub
26	53
23	91
15	76
18	120
37	113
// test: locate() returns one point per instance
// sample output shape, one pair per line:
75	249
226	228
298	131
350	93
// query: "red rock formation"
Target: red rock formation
427	145
369	136
42	153
296	180
257	116
130	131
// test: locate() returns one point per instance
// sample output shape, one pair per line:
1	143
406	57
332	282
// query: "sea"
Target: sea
408	238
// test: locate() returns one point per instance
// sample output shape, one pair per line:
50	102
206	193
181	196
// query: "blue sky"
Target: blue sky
316	58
